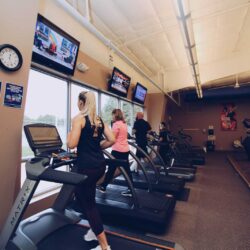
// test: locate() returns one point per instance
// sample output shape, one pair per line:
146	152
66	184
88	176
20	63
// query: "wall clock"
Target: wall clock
10	58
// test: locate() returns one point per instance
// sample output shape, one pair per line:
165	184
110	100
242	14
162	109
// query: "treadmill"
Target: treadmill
184	152
186	142
150	178
246	141
172	164
148	211
179	160
186	174
56	227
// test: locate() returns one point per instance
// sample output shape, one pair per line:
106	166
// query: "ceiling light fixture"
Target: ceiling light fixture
237	85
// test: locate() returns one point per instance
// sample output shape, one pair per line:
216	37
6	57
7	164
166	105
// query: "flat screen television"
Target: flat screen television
54	48
119	83
139	94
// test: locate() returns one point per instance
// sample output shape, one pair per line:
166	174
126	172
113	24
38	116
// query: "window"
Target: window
127	109
75	90
137	108
45	103
108	103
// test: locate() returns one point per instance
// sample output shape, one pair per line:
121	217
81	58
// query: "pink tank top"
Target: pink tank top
120	131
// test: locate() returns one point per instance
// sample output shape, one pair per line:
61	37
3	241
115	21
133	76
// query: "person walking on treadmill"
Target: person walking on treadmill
120	150
140	130
163	138
86	135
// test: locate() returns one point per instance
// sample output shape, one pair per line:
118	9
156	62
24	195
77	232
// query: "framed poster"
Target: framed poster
228	117
13	95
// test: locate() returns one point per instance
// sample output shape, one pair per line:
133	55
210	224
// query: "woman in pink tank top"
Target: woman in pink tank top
120	150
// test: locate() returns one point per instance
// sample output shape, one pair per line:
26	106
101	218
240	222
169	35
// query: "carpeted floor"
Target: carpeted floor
217	214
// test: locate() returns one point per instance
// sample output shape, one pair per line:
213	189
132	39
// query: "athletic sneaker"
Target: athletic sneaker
99	248
101	188
135	172
127	193
89	236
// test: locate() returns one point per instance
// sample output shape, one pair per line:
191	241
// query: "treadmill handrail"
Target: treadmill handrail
162	163
36	170
17	211
156	171
130	185
150	189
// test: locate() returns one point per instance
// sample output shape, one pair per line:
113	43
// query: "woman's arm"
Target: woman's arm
109	140
78	124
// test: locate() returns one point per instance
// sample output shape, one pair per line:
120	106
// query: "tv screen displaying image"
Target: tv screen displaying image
140	93
119	83
54	48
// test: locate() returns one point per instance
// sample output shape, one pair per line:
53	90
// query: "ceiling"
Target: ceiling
149	33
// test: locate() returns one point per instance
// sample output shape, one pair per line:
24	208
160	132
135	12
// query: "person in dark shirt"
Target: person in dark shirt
140	130
86	134
163	138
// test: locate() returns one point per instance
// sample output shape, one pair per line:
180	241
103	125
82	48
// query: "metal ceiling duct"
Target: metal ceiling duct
184	17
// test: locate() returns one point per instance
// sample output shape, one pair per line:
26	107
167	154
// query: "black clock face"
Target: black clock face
10	58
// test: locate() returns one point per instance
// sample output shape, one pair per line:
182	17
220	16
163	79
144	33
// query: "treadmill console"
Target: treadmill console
45	141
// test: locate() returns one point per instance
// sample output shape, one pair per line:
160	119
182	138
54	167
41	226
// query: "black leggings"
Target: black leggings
85	194
163	153
139	154
111	170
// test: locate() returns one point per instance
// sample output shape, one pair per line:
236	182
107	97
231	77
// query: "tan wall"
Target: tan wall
17	24
156	105
197	116
97	75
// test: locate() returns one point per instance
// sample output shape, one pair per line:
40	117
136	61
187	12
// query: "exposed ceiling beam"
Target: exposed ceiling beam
92	29
217	13
242	25
140	38
128	50
165	35
145	47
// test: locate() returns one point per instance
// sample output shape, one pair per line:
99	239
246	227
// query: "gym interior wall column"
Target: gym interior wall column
17	25
156	105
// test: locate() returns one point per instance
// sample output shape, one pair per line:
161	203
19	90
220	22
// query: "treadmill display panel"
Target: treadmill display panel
42	136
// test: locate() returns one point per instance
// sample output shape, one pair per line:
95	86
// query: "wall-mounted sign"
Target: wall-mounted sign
228	117
13	95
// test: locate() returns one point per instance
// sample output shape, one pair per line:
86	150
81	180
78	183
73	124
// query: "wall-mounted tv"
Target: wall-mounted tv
54	48
139	94
119	83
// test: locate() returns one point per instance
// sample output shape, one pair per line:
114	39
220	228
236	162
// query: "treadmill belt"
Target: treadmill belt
71	238
114	193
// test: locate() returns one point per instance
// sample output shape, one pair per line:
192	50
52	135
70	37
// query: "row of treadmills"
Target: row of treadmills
155	189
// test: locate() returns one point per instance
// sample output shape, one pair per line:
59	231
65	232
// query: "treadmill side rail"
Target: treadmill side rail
17	211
